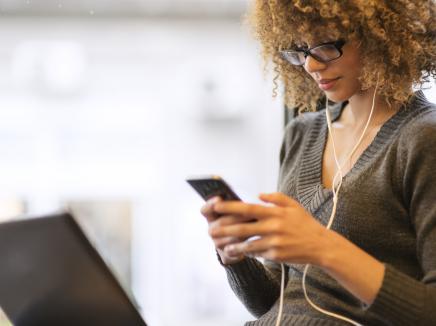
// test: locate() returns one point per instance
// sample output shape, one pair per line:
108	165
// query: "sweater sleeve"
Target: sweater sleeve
256	284
403	300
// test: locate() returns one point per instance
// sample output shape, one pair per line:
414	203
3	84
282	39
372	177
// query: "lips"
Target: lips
326	84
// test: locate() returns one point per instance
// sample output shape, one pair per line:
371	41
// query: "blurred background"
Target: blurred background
107	106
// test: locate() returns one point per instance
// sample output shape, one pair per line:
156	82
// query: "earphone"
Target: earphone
335	190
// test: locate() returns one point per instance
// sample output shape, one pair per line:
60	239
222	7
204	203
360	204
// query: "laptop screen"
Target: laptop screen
51	275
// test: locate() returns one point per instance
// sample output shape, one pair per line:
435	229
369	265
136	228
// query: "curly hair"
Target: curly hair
397	41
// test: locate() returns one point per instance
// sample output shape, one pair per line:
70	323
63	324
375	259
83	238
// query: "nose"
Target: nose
312	65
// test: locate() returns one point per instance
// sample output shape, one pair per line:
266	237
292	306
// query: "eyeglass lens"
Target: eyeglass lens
322	53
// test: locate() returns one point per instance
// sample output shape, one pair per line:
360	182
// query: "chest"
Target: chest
344	143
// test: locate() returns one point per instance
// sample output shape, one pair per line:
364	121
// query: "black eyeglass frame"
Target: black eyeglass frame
339	44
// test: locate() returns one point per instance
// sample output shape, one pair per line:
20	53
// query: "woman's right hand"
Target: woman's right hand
214	220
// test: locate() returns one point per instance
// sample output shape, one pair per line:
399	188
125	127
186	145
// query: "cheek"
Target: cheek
352	63
350	84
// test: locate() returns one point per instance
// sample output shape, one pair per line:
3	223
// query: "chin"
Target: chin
337	97
341	94
343	90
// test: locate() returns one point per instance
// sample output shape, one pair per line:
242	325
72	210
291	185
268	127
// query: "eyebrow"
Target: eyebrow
315	44
323	39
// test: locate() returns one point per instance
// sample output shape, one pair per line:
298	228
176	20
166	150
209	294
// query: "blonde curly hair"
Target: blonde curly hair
397	41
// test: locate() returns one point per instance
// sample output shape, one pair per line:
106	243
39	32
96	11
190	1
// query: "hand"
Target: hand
215	221
287	232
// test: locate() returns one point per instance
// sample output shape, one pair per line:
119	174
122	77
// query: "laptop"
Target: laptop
50	274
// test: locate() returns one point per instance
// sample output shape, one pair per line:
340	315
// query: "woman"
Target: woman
371	180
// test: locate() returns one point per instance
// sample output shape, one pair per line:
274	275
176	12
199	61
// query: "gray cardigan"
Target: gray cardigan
387	206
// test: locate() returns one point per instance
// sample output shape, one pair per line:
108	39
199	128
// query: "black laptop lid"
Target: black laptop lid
51	275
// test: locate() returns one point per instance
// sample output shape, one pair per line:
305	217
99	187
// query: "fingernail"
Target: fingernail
212	201
230	248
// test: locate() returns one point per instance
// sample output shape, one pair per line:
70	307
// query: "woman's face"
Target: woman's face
338	78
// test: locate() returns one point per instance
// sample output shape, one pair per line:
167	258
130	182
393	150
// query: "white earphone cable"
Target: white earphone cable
282	293
336	186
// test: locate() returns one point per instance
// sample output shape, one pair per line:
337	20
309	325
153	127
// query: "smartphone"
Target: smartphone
211	186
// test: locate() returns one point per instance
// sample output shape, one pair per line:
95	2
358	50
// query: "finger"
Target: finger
278	198
221	243
268	253
241	230
236	256
249	247
243	209
207	209
225	220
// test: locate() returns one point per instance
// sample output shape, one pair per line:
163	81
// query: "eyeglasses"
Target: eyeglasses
323	52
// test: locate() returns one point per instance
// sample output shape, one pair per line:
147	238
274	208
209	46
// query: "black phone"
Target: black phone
211	186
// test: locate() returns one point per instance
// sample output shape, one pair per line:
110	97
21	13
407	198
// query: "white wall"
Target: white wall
98	109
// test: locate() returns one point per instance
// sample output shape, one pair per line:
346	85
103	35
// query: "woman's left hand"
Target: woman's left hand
286	231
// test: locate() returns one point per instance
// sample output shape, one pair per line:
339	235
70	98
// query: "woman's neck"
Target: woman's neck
359	107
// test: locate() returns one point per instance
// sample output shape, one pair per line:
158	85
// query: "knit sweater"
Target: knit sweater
387	207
